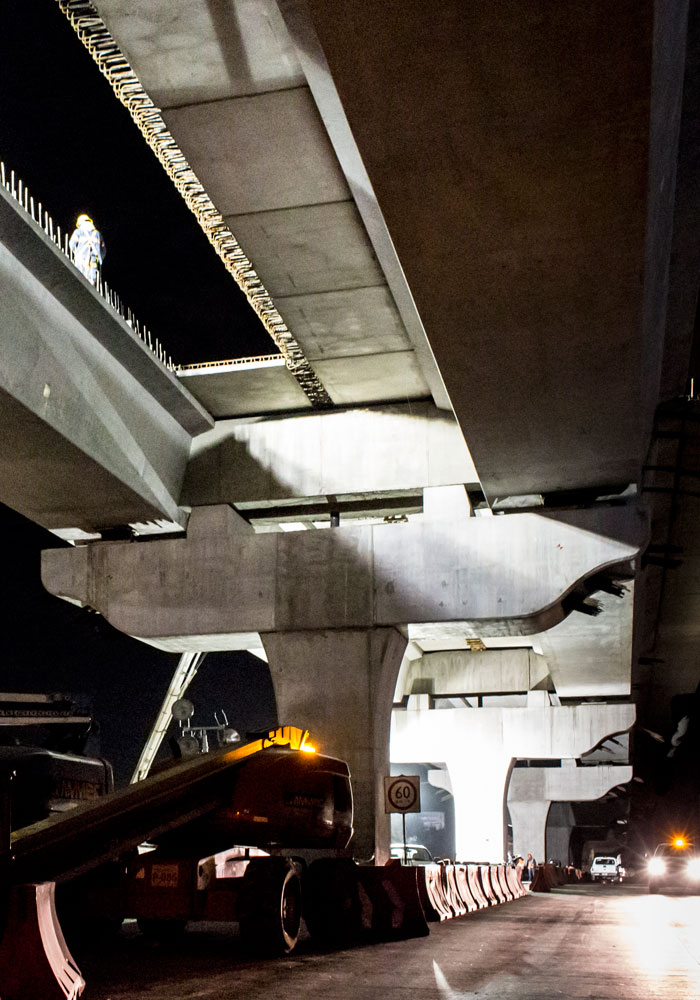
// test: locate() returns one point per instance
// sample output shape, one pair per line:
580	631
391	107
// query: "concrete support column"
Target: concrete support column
339	684
479	797
529	821
560	822
531	790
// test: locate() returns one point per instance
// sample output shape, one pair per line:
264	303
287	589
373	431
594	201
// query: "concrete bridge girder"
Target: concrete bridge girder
477	672
96	431
606	162
370	450
479	746
532	790
237	102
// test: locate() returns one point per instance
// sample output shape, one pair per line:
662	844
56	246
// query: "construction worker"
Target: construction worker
87	248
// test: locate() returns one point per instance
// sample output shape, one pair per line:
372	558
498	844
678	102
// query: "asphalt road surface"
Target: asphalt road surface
593	942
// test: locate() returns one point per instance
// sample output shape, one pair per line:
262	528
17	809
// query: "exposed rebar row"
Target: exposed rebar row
96	38
36	211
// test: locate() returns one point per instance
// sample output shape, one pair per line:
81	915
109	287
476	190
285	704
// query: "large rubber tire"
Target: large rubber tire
161	930
332	907
270	906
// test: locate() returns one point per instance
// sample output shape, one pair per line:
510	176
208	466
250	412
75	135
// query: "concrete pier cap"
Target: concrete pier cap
503	575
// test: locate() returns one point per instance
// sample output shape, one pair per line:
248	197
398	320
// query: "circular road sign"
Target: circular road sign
402	793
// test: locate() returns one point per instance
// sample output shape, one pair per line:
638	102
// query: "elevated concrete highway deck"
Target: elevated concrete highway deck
97	430
237	102
521	207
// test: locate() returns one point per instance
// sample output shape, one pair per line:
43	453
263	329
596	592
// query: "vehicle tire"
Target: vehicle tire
653	889
161	930
270	906
332	902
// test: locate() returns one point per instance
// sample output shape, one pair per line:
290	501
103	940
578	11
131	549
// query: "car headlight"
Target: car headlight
694	868
656	866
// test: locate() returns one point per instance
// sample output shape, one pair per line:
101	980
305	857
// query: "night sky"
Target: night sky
65	134
50	645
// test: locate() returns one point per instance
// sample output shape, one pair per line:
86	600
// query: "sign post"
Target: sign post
402	795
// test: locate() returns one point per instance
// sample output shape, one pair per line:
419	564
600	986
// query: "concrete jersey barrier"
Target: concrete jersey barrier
484	875
476	886
462	877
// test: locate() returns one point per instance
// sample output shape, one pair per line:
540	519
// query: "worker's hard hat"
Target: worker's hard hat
84	218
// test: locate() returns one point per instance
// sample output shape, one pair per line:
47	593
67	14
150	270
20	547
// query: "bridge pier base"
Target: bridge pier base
339	684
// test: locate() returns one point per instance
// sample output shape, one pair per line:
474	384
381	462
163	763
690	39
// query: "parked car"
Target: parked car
412	854
674	865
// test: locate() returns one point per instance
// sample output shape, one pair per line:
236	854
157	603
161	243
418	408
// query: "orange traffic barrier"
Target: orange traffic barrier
496	883
476	886
484	872
516	886
457	904
35	963
432	913
503	882
395	906
462	879
436	894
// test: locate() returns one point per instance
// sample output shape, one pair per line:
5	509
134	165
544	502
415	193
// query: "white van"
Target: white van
607	869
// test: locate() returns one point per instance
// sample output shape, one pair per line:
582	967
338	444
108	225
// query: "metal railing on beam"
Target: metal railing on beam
40	216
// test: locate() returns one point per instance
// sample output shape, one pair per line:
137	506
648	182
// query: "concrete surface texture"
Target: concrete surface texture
531	791
591	656
361	451
583	656
570	101
478	745
241	122
460	672
339	685
97	431
250	391
606	943
503	575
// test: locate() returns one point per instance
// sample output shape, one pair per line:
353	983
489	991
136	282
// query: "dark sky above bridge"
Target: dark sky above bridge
66	135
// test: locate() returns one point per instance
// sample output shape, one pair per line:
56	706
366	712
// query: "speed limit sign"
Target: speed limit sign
402	794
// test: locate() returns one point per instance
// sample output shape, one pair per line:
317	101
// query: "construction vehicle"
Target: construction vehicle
289	807
43	767
255	832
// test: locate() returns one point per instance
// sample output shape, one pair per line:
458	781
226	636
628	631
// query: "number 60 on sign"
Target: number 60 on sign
402	794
